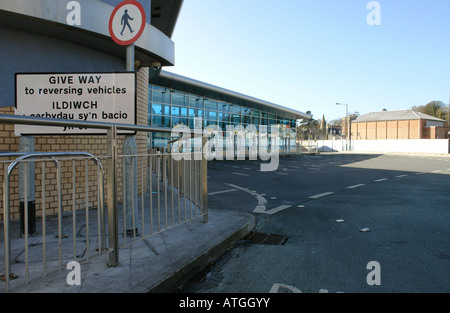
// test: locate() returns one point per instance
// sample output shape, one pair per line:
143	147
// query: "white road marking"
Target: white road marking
219	192
276	287
401	176
321	195
236	173
261	207
380	180
356	186
278	209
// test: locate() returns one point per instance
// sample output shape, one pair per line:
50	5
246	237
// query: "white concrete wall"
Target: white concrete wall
434	146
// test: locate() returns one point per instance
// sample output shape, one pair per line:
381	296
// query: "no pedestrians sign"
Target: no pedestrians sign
127	22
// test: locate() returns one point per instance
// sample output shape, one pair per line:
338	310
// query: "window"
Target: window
235	119
162	121
180	98
160	109
211	115
178	121
196	102
256	113
246	111
210	104
224	107
235	109
224	117
195	113
179	111
246	119
161	96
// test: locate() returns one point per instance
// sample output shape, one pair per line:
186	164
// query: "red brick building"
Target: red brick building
405	124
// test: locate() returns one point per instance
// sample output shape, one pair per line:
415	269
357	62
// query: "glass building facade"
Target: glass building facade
168	108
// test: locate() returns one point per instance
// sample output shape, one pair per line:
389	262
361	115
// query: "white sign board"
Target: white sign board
101	97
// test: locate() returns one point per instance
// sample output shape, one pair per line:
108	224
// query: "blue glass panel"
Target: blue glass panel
223	106
211	115
162	121
195	113
210	104
161	96
180	98
235	109
196	102
161	109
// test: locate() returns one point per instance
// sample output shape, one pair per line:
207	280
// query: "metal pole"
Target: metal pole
130	58
346	137
113	222
26	144
204	182
130	148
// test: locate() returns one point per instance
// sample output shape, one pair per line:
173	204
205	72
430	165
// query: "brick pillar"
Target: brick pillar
142	82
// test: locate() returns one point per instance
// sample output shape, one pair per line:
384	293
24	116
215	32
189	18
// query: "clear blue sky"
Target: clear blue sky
310	54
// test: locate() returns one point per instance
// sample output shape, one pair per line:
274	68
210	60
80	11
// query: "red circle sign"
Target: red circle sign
127	22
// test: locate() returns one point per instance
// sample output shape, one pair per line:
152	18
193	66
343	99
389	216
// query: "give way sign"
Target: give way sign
127	22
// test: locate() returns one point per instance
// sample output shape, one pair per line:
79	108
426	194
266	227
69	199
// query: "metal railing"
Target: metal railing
173	196
176	188
56	158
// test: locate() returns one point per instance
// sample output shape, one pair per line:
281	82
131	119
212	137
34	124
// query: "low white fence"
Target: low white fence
433	146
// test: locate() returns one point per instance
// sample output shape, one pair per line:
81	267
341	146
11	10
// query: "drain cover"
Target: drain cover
267	239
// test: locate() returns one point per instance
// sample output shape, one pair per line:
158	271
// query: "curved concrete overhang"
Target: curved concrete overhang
178	82
49	18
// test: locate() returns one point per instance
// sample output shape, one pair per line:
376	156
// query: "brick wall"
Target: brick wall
95	145
404	129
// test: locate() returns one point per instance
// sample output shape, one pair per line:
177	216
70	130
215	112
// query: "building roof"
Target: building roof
395	116
182	83
49	18
165	14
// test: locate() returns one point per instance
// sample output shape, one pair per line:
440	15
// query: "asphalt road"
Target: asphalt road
403	201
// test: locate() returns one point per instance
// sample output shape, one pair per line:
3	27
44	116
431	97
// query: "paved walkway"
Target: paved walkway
156	264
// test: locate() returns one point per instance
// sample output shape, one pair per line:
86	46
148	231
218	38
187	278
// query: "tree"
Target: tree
434	108
308	127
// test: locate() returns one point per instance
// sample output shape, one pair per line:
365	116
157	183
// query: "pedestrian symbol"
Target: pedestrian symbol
127	22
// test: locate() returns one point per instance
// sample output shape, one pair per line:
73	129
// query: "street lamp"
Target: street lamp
347	134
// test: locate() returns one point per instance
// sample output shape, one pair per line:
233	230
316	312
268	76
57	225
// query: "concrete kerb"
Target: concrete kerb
199	262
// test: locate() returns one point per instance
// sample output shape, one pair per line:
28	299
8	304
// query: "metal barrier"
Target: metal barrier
56	159
176	189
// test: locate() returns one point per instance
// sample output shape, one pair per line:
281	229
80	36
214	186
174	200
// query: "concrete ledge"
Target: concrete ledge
194	266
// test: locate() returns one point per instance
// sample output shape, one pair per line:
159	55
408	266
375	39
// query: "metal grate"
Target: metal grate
267	239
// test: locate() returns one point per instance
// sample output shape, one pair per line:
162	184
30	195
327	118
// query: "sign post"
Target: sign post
126	25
